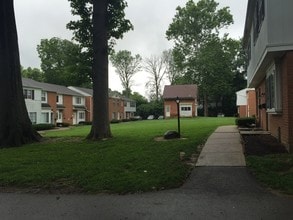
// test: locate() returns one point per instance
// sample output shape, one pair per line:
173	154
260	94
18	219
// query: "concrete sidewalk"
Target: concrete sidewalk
223	148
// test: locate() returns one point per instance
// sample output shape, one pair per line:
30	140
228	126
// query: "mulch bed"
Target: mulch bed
262	145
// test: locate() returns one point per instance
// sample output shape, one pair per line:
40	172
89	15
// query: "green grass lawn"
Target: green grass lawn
131	161
274	171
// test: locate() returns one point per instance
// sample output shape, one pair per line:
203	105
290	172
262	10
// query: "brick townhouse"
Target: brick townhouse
268	39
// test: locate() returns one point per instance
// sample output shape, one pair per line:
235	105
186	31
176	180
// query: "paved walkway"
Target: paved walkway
223	148
220	187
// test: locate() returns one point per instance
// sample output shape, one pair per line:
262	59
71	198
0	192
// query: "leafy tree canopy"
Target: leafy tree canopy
32	73
126	66
82	29
62	62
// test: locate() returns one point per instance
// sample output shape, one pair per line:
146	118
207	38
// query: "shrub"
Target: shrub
245	122
115	121
63	124
85	123
42	127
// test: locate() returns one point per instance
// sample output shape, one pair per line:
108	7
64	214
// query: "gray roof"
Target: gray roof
181	91
62	90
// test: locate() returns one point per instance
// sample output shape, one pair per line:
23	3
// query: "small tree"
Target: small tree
15	125
126	66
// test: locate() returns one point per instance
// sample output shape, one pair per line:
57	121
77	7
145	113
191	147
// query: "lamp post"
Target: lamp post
178	114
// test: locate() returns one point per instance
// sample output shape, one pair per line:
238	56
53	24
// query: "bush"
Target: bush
245	122
115	121
85	123
63	124
42	127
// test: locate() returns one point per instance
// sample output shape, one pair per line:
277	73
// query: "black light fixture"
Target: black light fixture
178	114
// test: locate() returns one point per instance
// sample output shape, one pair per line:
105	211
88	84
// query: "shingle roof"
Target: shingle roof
182	91
62	90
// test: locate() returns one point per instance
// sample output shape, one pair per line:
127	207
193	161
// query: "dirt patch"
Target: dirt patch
262	144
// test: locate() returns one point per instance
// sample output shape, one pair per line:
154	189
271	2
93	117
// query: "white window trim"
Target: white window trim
274	71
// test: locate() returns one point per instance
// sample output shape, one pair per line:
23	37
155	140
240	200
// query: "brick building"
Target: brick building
268	38
187	95
246	102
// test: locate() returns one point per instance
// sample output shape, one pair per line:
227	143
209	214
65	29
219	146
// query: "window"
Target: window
81	115
273	90
29	94
78	100
259	16
44	96
45	117
59	99
132	104
185	108
33	117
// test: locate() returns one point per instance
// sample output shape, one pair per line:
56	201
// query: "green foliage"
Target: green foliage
42	127
62	63
131	162
204	58
33	73
138	98
83	27
245	122
126	66
155	108
275	171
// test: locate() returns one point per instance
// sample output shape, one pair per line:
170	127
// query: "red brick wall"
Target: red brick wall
51	97
68	111
116	105
251	103
284	121
242	111
89	108
280	125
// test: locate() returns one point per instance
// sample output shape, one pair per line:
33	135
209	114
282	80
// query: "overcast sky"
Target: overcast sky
40	19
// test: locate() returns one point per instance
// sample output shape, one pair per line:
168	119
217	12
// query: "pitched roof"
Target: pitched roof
62	90
181	91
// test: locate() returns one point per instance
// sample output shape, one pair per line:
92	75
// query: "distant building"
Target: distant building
54	104
187	95
246	102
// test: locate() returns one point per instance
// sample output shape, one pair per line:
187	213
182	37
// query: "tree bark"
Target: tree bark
100	125
15	125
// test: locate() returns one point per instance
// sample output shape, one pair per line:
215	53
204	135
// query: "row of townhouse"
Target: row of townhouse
268	38
55	104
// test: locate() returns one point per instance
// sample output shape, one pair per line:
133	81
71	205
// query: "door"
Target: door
186	110
167	111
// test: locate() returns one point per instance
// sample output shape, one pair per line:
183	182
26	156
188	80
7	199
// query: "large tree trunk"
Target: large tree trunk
15	125
100	126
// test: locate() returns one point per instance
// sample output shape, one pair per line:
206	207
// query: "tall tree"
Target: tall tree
101	21
126	66
157	69
63	63
193	27
172	71
15	125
